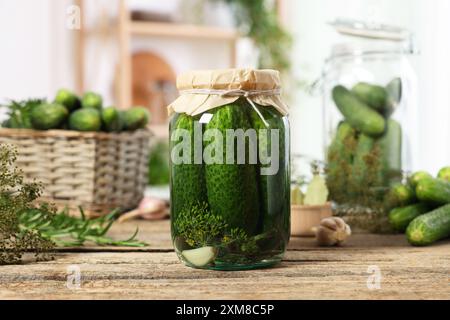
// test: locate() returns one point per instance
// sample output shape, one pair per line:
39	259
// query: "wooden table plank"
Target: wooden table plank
303	275
307	272
157	234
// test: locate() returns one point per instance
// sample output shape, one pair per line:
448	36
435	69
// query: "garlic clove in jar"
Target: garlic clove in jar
332	231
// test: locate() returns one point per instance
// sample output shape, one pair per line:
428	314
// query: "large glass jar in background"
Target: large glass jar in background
370	118
228	212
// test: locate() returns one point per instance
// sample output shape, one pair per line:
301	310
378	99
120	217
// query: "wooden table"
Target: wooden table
307	272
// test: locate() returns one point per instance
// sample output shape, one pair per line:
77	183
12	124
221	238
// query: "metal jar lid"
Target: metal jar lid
370	37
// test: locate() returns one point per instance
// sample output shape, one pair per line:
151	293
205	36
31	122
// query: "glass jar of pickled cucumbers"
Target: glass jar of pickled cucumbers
230	173
370	108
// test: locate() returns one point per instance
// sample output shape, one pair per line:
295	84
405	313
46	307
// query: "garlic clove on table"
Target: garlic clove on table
332	231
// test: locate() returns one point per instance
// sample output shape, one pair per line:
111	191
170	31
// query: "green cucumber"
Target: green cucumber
92	100
391	151
272	207
430	227
394	89
402	195
360	116
433	191
339	142
360	170
232	188
339	149
418	176
188	180
87	119
444	174
401	217
374	96
340	161
136	118
68	99
112	119
48	116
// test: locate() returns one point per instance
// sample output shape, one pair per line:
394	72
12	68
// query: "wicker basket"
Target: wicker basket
98	171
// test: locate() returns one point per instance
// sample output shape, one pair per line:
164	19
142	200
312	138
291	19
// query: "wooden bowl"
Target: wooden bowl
305	218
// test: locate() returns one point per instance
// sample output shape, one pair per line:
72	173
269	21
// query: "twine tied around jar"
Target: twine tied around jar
204	90
237	93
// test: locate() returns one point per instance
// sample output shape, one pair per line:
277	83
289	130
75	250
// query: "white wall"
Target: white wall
35	48
313	38
25	48
433	28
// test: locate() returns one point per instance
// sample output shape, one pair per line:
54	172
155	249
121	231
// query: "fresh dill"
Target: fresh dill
26	227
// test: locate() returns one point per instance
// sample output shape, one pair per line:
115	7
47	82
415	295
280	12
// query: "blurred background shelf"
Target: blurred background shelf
163	29
125	29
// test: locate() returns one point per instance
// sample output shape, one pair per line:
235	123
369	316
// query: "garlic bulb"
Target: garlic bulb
332	231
